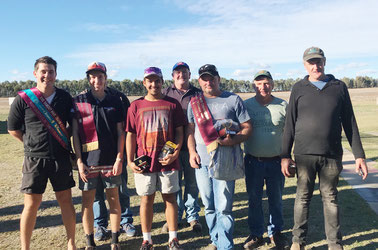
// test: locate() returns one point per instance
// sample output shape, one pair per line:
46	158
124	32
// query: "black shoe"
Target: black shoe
196	226
279	240
253	242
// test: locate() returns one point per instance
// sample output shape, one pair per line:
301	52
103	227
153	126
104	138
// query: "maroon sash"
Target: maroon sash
87	127
204	121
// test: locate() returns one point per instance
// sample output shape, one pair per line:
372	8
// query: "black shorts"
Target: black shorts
36	171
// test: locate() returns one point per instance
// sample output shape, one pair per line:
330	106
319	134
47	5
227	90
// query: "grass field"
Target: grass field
358	222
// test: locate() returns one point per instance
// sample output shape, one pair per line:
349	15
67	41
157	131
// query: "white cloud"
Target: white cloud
231	34
348	66
113	73
367	72
16	75
107	28
247	74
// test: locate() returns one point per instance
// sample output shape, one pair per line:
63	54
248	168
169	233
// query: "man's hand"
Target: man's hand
135	168
361	168
117	167
285	163
194	160
83	170
168	159
226	141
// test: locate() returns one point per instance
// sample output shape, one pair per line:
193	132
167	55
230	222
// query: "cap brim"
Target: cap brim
207	73
309	57
180	66
151	74
100	70
268	76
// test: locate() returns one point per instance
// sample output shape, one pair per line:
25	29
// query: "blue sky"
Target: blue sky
240	37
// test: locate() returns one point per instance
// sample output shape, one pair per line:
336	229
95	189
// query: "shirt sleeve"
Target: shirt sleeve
289	129
190	115
16	114
241	111
350	126
130	122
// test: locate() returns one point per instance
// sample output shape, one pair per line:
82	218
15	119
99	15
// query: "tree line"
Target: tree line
135	88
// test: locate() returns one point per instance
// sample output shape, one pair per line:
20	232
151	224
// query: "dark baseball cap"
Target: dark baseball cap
313	52
209	69
180	64
263	73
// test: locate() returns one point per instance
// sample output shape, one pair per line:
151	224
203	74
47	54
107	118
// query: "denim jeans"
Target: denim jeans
99	208
188	203
217	197
256	174
328	171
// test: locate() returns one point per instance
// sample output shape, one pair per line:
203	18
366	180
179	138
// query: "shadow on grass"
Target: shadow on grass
356	218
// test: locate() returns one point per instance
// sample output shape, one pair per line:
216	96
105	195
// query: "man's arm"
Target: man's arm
194	158
130	152
242	135
16	134
351	131
83	169
179	137
117	167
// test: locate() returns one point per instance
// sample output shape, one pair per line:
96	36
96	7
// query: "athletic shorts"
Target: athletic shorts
36	171
108	182
148	183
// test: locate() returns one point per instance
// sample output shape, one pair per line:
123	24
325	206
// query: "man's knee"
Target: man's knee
64	197
32	201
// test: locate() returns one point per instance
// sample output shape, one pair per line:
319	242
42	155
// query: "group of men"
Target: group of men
167	138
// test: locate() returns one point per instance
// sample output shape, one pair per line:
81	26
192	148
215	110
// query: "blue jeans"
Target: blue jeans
217	197
99	208
328	171
256	174
188	203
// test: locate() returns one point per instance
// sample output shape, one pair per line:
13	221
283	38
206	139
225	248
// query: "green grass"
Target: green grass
359	223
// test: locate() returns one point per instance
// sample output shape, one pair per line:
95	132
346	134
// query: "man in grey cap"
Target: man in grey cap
262	162
319	106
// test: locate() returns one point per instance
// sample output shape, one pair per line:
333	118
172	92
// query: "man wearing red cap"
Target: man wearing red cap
99	140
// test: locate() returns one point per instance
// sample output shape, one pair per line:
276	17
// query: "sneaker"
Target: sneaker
253	242
196	226
279	240
297	246
128	229
102	234
115	246
174	245
146	246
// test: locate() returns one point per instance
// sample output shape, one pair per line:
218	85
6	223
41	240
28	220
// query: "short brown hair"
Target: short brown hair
45	59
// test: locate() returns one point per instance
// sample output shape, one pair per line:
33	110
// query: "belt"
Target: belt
273	158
